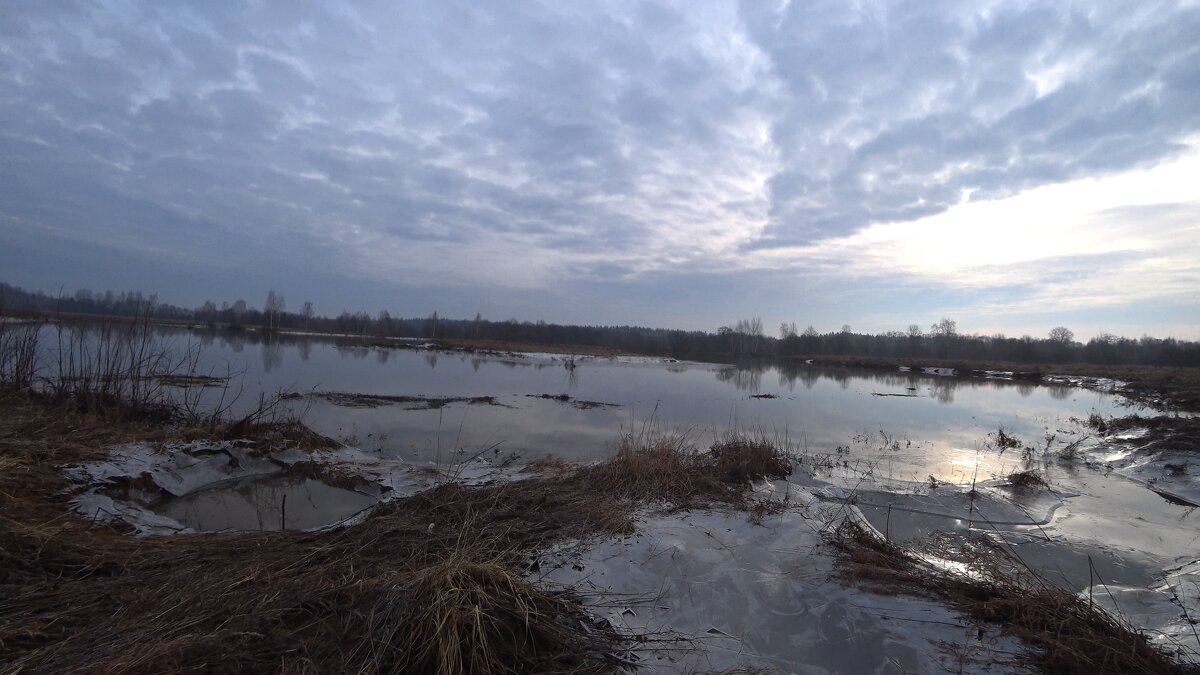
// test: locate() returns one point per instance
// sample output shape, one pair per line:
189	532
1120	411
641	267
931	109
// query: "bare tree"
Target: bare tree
273	308
748	334
306	311
944	328
239	310
1062	335
914	331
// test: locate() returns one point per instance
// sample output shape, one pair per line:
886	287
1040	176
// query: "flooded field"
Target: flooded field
911	456
430	406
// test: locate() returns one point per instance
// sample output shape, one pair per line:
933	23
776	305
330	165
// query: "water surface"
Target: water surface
932	425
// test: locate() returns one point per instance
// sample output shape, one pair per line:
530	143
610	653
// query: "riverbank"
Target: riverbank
1170	388
1175	388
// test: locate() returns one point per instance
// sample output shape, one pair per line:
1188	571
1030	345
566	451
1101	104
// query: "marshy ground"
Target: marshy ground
662	553
457	578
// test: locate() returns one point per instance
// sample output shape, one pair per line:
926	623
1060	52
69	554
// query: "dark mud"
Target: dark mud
352	400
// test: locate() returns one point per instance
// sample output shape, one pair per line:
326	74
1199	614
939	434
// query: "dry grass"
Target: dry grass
1005	441
549	465
739	459
668	468
514	626
1066	633
1163	432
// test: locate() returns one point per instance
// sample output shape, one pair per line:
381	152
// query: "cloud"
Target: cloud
894	111
548	149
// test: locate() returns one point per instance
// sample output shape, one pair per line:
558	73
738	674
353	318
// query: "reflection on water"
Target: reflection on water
265	504
942	419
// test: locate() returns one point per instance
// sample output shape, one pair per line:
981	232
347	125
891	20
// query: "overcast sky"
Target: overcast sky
1011	165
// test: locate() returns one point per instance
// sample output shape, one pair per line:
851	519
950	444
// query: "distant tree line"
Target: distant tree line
745	338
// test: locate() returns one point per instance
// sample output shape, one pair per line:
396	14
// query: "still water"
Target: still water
274	504
932	425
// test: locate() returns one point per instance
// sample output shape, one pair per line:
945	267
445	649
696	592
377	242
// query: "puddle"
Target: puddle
264	504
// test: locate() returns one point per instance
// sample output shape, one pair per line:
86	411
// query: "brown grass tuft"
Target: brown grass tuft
1029	478
668	468
479	616
549	464
741	459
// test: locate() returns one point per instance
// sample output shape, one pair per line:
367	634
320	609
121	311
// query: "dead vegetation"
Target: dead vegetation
574	402
667	467
1163	432
1006	441
549	464
739	459
1065	632
1027	479
354	400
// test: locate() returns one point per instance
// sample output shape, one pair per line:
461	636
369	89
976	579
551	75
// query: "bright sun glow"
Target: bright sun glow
983	243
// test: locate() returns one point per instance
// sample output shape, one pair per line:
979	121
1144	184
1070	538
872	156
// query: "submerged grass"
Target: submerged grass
1066	633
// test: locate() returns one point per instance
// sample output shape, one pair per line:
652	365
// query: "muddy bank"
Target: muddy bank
354	400
566	399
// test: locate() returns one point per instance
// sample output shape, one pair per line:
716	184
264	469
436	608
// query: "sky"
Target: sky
1014	166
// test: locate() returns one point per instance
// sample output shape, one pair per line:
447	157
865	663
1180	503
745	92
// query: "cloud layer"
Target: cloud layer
529	156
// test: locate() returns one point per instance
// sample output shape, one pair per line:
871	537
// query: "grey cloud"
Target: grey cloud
891	116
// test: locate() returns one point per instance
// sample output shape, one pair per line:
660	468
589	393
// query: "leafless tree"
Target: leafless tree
273	307
306	311
239	310
944	328
748	334
1062	334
